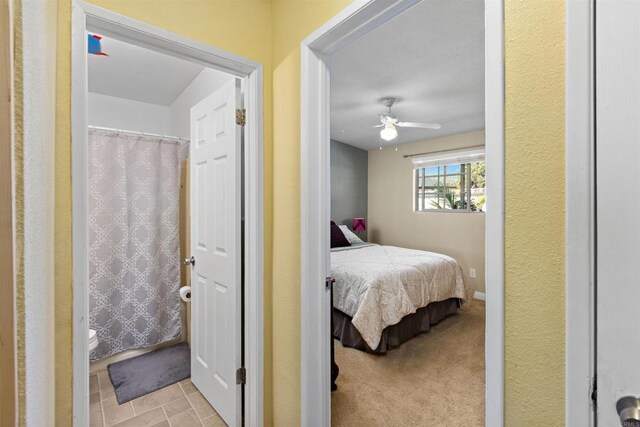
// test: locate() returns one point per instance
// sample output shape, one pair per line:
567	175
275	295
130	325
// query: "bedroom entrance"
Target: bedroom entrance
402	201
167	198
408	210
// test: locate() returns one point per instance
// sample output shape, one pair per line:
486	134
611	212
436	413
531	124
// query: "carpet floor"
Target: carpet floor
435	379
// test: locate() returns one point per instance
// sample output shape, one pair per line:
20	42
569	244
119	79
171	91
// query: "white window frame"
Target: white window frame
354	21
251	73
465	165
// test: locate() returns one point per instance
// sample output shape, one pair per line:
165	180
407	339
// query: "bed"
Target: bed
385	295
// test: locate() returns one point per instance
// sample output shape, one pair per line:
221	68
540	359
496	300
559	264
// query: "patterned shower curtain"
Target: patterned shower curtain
134	258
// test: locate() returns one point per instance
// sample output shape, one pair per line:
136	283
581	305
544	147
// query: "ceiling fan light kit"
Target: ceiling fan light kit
389	122
389	132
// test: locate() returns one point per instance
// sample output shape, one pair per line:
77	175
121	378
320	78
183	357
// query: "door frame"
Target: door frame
580	369
353	22
251	73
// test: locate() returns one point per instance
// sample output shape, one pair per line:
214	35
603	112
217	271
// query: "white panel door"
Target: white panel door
618	204
215	244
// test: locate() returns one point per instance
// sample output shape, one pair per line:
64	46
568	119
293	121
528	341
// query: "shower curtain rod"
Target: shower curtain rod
132	132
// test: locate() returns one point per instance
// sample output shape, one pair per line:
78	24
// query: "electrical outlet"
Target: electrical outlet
472	273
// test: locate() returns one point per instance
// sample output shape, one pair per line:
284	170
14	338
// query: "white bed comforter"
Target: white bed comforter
378	285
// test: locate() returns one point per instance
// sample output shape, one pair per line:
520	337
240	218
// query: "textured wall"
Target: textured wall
392	220
349	176
9	233
18	173
534	225
292	22
63	239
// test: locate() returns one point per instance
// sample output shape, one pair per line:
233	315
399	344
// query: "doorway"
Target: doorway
239	182
354	22
408	193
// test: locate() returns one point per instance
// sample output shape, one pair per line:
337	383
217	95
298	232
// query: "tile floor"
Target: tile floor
178	405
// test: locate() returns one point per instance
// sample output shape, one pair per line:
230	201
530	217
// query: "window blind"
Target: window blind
441	158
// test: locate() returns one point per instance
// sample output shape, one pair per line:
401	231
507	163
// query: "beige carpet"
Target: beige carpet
435	379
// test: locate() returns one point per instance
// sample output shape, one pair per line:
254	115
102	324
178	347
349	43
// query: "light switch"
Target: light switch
472	273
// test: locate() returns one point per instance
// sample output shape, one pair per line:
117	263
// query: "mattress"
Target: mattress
377	285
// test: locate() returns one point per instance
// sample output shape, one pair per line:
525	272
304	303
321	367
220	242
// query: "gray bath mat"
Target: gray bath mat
149	372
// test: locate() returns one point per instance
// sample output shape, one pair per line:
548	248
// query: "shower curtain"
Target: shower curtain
134	265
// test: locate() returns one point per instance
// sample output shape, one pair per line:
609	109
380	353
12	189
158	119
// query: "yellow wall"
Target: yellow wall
62	224
18	152
534	235
534	225
292	22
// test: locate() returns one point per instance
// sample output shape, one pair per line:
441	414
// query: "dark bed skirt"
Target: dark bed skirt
394	335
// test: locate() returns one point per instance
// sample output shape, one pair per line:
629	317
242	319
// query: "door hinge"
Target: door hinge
594	391
241	375
241	116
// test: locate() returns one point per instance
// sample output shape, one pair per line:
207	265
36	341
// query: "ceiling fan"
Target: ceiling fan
389	122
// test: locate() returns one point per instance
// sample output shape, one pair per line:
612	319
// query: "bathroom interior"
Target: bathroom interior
139	106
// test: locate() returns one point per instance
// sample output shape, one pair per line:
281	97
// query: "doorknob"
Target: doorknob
629	411
190	261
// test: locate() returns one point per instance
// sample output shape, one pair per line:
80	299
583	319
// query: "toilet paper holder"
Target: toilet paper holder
185	293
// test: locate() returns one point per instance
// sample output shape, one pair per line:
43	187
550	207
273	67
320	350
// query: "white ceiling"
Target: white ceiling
431	58
139	74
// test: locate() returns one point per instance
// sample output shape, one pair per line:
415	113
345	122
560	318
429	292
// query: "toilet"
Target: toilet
93	339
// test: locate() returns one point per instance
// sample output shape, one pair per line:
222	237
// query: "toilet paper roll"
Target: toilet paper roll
185	293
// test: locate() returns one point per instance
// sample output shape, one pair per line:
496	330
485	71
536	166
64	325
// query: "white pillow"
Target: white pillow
350	235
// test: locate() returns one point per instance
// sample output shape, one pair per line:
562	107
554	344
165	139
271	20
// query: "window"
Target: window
456	186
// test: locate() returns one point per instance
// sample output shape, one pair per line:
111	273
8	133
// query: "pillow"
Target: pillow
350	235
337	237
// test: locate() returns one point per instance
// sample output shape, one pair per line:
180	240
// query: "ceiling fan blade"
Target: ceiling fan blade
377	126
419	125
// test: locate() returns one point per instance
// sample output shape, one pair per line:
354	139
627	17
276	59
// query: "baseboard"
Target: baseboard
479	295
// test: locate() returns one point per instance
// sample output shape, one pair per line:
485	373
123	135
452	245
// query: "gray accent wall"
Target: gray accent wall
349	183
